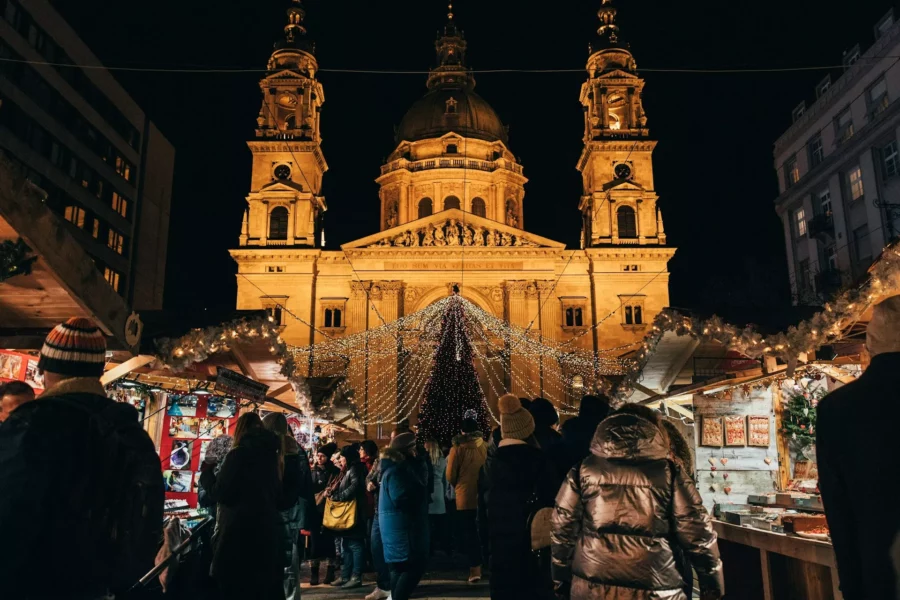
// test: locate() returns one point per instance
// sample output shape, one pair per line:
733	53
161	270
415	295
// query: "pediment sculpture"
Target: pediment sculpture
453	232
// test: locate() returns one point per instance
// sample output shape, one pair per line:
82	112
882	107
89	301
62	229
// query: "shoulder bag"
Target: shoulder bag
339	516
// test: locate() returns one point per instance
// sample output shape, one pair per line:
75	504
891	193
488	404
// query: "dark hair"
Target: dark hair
17	388
544	412
469	426
370	447
350	453
595	408
246	423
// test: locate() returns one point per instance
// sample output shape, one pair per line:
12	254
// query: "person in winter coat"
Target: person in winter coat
484	491
321	540
247	549
618	513
403	515
463	465
545	421
578	432
352	486
522	480
845	445
55	484
680	452
437	510
296	498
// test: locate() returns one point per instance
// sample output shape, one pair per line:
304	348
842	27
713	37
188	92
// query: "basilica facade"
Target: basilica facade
452	208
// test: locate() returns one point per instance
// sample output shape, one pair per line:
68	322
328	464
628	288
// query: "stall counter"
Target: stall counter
772	566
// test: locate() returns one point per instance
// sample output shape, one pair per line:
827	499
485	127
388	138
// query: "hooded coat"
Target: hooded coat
522	480
463	465
618	513
402	509
247	561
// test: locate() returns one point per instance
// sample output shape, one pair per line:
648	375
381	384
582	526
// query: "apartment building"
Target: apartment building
838	169
76	133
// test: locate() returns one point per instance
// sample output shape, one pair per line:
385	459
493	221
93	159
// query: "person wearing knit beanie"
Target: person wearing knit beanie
76	348
403	441
515	422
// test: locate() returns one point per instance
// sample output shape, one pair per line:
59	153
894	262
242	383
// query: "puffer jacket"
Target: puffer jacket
463	465
402	509
617	514
353	487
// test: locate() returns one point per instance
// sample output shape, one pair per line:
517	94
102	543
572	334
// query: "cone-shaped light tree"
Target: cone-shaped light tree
452	389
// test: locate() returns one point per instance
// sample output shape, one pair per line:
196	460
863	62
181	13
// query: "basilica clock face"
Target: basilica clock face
623	171
283	172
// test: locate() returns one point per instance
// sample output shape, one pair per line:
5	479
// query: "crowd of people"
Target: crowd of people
603	507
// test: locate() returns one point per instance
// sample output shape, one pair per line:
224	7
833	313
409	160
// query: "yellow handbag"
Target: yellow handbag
339	516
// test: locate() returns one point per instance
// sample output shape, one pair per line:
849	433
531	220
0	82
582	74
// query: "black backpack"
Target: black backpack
124	498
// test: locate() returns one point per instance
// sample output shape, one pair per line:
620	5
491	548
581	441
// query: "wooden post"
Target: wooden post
781	443
768	584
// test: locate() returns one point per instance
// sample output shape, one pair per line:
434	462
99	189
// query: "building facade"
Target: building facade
452	212
76	133
838	169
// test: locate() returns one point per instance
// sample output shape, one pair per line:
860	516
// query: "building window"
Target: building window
884	24
274	269
854	179
876	97
120	204
803	276
574	312
574	317
451	202
634	314
800	221
451	149
630	268
791	172
115	241
451	106
76	215
891	160
478	207
278	223
831	261
816	150
627	222
843	126
333	318
851	56
425	207
96	229
823	86
111	277
825	202
862	245
275	314
798	111
124	168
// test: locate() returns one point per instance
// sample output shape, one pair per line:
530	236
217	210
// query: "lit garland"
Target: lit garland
825	327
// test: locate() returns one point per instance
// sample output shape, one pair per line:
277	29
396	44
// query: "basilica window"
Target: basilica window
426	207
451	202
452	149
478	207
632	311
333	317
275	307
616	103
278	223
334	313
574	312
627	222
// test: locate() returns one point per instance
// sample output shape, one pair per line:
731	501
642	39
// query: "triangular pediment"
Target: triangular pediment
618	74
623	185
282	185
437	231
285	74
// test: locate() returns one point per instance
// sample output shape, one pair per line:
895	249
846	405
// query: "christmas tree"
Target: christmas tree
452	388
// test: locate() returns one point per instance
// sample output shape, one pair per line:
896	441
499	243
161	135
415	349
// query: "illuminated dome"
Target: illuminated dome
445	109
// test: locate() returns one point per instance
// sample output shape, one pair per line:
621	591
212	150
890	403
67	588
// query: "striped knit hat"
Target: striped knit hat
76	348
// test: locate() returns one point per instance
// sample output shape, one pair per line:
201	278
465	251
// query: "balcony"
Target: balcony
820	226
828	282
451	163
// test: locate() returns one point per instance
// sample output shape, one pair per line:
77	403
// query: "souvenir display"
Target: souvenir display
183	427
711	433
180	458
212	428
183	406
178	481
220	408
735	431
759	431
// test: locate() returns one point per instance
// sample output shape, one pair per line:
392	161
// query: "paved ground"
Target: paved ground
443	581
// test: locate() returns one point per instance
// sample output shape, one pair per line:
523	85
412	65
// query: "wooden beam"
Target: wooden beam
126	367
781	444
279	391
679	409
243	363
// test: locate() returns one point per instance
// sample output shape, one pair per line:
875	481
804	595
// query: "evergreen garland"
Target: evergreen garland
15	259
452	388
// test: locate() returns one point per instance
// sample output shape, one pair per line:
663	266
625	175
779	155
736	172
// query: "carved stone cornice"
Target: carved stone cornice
546	286
360	288
515	289
249	254
390	287
631	253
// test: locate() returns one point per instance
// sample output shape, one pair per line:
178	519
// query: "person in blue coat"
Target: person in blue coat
403	515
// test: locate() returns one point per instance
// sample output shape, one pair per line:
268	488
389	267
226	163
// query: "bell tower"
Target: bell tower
285	203
618	204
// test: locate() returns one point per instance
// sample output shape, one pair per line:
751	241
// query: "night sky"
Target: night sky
713	165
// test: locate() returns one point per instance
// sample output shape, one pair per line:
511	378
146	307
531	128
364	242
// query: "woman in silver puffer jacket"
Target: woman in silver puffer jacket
618	514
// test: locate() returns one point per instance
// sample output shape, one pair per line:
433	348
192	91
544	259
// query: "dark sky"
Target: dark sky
713	165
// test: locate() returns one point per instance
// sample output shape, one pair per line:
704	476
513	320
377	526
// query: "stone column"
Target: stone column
604	110
358	321
383	368
520	295
292	228
270	108
637	221
404	204
264	236
632	113
553	389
